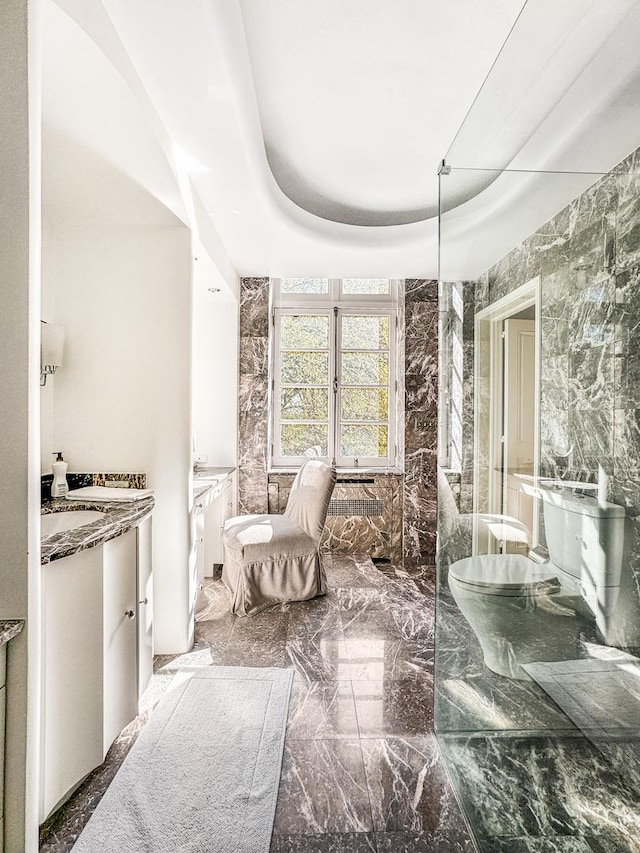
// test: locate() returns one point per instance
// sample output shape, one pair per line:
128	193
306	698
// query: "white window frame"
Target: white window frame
277	459
334	304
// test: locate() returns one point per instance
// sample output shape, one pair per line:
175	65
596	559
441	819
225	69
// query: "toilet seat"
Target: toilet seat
504	574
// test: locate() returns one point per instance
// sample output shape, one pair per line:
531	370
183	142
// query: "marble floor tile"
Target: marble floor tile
541	786
362	773
427	585
365	613
318	618
558	844
215	630
462	662
413	613
408	786
353	572
202	654
623	754
415	572
394	708
424	842
268	625
323	789
321	710
318	659
344	842
254	652
612	845
375	658
453	631
490	702
415	620
395	609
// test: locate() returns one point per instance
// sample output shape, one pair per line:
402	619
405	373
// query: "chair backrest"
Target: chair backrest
310	495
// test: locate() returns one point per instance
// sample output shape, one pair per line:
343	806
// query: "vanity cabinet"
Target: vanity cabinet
197	556
97	653
119	637
144	619
72	674
221	507
214	503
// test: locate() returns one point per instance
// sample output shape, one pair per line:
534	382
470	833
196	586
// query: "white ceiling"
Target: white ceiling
310	132
360	100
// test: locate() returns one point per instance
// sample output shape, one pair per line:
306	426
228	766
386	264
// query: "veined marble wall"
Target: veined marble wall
588	260
377	533
407	527
421	421
253	396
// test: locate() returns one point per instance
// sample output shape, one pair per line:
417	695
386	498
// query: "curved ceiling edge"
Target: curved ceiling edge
231	41
302	194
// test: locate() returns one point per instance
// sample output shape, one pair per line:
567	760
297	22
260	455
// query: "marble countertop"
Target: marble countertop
351	473
9	628
119	518
208	478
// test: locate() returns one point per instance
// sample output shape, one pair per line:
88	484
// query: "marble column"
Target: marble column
253	395
420	422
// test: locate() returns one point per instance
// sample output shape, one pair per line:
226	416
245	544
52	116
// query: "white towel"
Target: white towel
104	493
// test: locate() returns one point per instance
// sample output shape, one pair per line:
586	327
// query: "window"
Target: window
333	380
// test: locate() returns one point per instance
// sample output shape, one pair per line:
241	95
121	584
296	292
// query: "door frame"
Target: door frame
488	419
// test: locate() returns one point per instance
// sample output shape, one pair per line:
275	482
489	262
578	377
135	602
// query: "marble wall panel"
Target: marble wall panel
77	480
253	396
421	426
546	791
401	374
417	411
379	536
588	260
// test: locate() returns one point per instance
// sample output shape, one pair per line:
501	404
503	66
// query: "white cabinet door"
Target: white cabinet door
218	511
120	635
72	674
198	550
145	606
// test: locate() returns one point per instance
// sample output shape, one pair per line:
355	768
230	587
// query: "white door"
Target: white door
519	426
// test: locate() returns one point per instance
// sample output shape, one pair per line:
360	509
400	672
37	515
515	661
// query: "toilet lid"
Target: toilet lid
503	574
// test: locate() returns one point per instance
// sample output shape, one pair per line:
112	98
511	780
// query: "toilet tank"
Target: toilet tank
585	538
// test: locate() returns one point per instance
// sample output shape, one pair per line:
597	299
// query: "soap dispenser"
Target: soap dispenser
59	487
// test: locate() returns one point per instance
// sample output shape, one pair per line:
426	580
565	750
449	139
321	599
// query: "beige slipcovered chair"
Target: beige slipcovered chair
273	558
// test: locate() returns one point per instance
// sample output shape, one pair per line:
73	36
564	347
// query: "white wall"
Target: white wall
123	397
47	313
19	341
215	369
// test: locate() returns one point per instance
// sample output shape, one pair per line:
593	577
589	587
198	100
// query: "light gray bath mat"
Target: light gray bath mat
204	772
600	695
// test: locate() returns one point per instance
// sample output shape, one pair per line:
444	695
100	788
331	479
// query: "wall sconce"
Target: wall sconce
51	349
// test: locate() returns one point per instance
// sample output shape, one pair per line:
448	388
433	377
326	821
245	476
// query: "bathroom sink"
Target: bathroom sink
57	522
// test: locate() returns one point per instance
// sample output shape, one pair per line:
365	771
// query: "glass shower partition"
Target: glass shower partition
537	667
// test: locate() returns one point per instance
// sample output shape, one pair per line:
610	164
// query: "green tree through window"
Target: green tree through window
333	372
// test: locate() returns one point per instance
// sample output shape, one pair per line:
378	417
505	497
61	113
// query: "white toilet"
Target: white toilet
523	611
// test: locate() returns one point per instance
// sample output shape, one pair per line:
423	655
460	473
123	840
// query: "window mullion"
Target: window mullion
335	386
